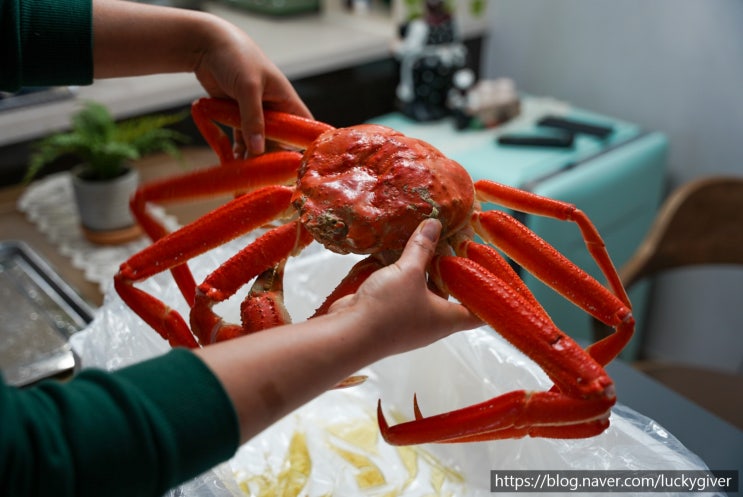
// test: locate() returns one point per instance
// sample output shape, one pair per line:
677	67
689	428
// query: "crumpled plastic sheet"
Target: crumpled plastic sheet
310	452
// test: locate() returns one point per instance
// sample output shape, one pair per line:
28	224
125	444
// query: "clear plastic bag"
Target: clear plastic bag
331	446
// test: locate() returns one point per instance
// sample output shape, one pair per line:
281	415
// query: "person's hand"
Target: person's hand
133	38
233	66
406	313
268	374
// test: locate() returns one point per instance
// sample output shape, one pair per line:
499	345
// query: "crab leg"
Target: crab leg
264	306
581	403
530	203
235	218
291	130
541	259
491	260
350	283
279	168
206	113
516	414
225	223
244	175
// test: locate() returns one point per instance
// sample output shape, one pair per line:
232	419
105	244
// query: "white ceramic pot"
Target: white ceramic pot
104	205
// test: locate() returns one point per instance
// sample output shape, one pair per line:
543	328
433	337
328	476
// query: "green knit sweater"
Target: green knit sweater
45	42
135	432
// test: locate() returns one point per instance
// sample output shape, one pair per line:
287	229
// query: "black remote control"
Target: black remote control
575	126
563	140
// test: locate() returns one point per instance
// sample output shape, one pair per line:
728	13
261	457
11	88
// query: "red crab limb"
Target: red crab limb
244	175
530	203
585	393
363	190
490	259
293	130
237	217
206	112
543	261
289	129
496	303
575	284
266	297
264	308
353	280
267	251
512	415
160	317
225	223
279	168
261	309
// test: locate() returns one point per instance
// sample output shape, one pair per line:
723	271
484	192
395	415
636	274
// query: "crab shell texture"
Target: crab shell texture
364	189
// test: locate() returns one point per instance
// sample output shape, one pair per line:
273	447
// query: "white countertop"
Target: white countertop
300	46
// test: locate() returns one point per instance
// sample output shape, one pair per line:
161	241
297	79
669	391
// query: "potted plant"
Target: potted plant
104	179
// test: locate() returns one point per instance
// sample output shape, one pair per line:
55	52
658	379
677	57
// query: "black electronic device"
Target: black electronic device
561	140
576	126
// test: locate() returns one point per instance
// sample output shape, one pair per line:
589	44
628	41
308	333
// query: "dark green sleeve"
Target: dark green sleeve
138	431
45	42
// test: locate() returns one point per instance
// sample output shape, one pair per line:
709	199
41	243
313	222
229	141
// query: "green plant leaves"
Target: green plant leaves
105	146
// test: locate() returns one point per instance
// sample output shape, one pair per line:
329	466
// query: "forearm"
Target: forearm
133	38
269	374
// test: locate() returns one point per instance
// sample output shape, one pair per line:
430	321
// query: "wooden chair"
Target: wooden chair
701	223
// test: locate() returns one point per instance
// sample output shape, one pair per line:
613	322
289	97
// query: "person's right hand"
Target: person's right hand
233	66
396	298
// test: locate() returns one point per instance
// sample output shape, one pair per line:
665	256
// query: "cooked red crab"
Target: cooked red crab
363	190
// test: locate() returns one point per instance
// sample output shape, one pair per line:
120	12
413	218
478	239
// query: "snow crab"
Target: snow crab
364	189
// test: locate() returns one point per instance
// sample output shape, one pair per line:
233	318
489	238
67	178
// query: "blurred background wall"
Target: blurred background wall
674	66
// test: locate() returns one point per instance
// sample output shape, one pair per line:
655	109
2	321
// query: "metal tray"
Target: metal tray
38	314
